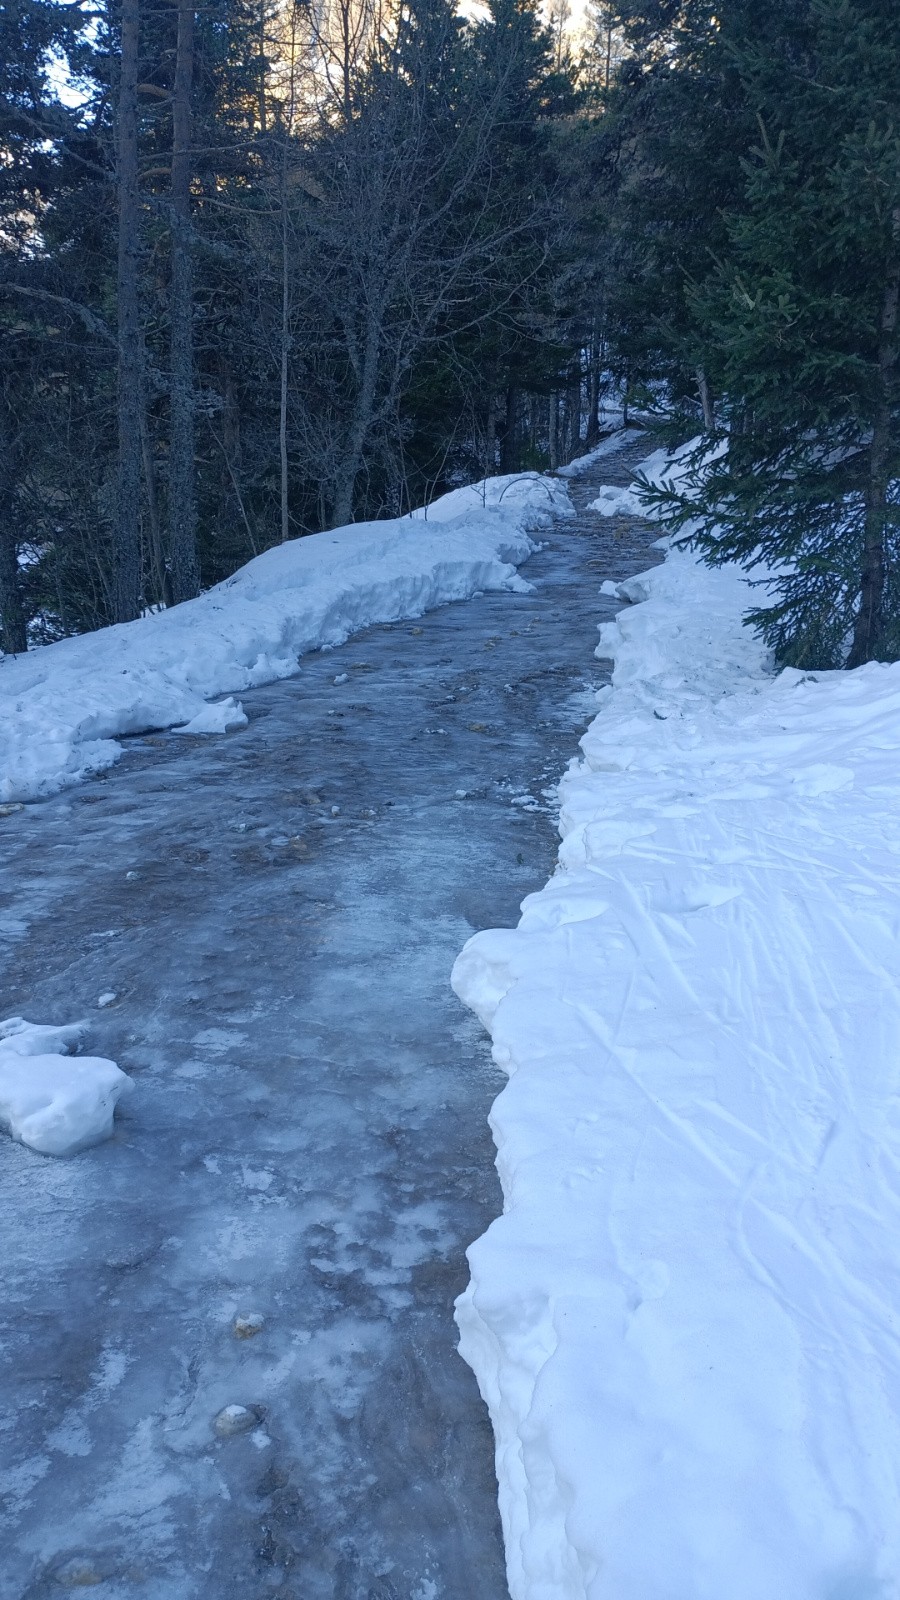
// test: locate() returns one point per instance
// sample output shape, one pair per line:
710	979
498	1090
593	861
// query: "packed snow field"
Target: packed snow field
685	1324
63	707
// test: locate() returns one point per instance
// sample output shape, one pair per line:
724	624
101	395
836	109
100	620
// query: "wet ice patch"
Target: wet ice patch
52	1101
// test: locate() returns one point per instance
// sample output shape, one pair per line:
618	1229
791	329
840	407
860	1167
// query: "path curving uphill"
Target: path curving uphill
227	1353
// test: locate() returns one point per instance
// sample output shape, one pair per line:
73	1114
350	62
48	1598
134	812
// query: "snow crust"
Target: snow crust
50	1100
685	1324
64	706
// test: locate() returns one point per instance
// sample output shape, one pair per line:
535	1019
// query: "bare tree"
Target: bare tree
127	538
182	419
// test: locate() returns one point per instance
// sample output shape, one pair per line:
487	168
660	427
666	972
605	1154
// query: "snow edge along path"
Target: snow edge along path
685	1324
64	705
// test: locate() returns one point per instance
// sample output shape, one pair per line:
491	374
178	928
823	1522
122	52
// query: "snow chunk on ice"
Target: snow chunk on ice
613	502
219	717
50	1101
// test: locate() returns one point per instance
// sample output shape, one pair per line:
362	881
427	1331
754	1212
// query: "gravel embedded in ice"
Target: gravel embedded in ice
247	1327
235	1419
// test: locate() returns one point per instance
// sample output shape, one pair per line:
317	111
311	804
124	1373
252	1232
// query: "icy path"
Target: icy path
307	1141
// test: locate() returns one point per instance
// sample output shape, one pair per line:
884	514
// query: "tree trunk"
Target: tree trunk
553	433
285	361
868	631
509	455
182	489
129	406
13	637
706	399
490	439
593	418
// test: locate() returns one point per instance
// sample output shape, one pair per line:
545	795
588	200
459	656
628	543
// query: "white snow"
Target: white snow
613	502
686	1322
606	447
63	706
50	1100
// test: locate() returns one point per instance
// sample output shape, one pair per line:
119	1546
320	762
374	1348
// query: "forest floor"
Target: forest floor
270	918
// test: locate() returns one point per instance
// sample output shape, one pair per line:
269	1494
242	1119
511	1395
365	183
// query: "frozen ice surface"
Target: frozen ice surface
64	707
685	1323
308	1138
54	1102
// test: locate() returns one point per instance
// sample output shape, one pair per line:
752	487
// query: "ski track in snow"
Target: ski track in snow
686	1322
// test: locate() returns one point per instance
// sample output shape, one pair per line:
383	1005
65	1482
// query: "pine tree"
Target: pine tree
802	322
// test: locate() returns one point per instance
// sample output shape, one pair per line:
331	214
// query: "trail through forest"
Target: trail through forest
279	1224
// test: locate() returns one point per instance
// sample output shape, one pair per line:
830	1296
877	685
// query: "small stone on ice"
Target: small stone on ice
78	1574
342	677
106	999
335	811
246	1327
10	809
130	876
235	1419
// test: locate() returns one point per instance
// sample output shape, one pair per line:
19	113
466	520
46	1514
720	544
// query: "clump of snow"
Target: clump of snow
613	502
64	706
50	1100
685	1322
222	716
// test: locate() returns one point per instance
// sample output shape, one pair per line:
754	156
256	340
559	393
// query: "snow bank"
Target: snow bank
62	707
686	1322
606	447
51	1101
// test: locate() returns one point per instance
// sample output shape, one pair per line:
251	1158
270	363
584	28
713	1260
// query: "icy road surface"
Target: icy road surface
227	1360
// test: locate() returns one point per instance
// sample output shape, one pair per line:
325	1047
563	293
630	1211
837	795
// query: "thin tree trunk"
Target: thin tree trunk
868	631
490	439
157	554
285	358
509	444
127	538
593	417
553	433
706	399
13	637
182	489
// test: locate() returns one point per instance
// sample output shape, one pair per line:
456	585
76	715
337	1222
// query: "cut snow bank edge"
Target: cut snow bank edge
63	706
685	1324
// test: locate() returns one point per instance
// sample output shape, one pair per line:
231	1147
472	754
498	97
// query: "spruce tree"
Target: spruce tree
801	318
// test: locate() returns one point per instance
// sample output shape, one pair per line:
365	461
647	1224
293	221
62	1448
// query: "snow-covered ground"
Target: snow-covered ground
686	1322
63	707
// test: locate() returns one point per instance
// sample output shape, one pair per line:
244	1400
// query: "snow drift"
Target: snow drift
685	1324
62	707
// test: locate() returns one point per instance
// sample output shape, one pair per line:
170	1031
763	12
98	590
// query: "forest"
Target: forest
269	267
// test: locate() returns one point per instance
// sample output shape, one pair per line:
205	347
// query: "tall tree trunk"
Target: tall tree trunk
285	357
13	637
129	402
704	390
868	631
593	410
509	453
553	432
182	488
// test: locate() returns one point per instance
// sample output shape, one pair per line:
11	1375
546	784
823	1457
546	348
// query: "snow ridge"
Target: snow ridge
685	1324
64	706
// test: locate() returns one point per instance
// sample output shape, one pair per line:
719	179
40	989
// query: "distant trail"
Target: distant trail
276	913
